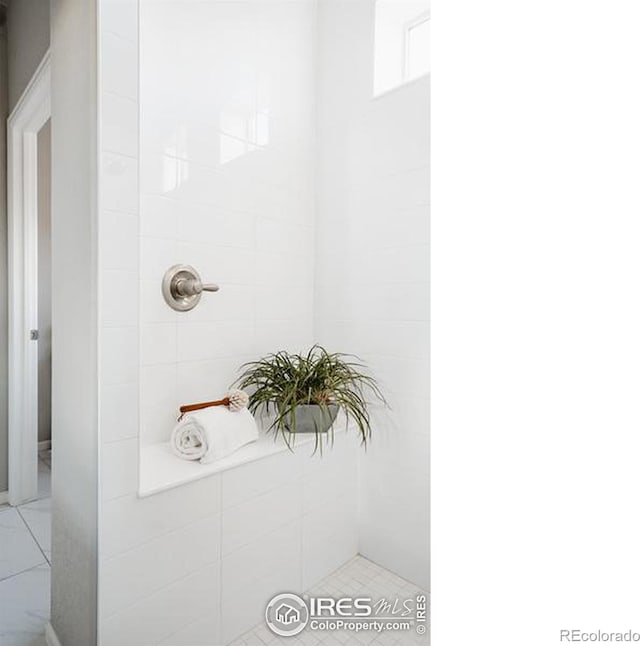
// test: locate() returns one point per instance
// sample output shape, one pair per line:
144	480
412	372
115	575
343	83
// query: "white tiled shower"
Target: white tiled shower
220	125
372	280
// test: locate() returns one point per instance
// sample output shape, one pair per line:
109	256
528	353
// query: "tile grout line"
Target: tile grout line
219	583
32	534
33	567
141	600
110	556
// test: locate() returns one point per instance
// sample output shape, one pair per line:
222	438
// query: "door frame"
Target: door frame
25	121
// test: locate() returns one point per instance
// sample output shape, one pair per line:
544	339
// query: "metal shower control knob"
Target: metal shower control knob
182	287
191	287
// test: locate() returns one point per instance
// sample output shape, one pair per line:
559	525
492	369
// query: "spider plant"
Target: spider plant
289	384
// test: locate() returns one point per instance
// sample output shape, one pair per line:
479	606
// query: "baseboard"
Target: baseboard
44	445
4	497
50	636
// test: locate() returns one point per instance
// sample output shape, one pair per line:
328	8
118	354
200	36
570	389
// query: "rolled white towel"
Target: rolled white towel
212	433
188	439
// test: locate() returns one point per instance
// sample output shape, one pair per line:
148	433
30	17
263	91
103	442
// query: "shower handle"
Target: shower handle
182	287
193	286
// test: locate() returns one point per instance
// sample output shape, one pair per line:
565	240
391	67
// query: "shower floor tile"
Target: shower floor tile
358	577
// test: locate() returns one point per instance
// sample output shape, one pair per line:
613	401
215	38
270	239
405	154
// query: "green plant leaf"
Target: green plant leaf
281	382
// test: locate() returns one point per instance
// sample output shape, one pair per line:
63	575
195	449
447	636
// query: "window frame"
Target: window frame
424	17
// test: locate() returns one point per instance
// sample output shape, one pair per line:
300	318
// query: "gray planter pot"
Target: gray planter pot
311	418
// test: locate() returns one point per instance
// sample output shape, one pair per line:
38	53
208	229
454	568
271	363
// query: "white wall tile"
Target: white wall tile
120	17
119	412
232	304
329	537
379	539
261	558
326	484
292	335
159	403
244	609
159	216
245	522
130	521
200	222
407	302
400	443
283	237
161	614
402	375
158	342
135	574
119	65
119	361
120	298
119	125
119	241
340	455
119	468
119	183
409	189
156	256
204	380
161	129
286	302
196	183
203	341
334	518
202	632
153	307
291	270
221	265
248	481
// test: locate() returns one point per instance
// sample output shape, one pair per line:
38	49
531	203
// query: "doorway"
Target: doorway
29	173
25	572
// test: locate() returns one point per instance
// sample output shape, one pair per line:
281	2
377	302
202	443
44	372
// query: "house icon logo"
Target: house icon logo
286	614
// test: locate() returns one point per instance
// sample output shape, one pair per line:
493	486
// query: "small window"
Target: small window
401	46
417	48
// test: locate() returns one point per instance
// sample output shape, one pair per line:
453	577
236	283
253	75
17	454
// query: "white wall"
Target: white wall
226	184
29	35
74	321
372	276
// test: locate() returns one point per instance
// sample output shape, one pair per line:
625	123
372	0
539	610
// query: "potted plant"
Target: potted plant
305	392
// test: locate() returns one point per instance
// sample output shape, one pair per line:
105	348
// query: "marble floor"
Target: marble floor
25	560
357	578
